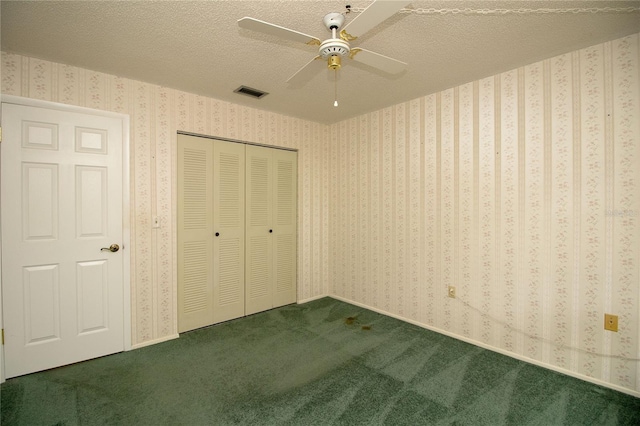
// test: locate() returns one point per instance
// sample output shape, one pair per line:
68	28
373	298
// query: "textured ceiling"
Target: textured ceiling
196	46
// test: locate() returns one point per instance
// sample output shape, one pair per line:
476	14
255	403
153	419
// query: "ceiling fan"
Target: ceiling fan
338	46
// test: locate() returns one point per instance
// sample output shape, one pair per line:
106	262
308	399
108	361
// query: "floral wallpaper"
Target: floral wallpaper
156	114
522	191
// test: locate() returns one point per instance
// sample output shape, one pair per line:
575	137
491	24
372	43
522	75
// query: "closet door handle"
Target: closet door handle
270	230
217	234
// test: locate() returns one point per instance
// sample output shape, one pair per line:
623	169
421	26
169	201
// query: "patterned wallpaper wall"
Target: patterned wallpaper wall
522	190
156	114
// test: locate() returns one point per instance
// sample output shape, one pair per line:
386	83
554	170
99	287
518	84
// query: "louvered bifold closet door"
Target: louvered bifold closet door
271	231
195	230
228	228
285	167
259	233
211	229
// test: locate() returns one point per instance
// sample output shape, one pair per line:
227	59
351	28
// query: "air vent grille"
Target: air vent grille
249	91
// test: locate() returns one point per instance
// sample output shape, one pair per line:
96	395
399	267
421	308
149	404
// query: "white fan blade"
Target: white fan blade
276	30
374	14
376	60
309	69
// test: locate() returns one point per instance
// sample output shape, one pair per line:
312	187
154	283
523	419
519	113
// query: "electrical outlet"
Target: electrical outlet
452	292
611	322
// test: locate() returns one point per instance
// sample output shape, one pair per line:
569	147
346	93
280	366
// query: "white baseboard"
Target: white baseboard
311	299
494	349
154	341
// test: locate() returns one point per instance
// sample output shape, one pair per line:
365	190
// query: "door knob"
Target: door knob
112	248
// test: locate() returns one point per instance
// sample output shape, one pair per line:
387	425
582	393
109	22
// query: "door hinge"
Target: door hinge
0	134
3	336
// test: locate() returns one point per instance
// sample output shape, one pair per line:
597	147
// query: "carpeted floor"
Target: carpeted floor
322	363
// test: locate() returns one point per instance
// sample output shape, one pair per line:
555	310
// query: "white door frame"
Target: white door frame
126	216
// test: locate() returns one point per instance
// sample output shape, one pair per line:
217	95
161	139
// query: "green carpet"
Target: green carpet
311	364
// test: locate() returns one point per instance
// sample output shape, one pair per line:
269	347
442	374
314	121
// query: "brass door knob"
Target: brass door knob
112	248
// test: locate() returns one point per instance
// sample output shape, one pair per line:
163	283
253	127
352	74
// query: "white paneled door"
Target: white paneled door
62	224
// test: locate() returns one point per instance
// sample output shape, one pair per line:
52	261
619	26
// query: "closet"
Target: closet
237	234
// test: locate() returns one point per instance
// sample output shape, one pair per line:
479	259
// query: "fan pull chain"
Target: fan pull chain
335	102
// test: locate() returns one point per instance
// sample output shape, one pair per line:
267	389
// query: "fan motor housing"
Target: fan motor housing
333	47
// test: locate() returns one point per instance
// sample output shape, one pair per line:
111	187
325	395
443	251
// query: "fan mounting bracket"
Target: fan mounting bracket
333	20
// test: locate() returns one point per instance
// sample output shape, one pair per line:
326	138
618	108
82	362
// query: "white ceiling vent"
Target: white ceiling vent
249	91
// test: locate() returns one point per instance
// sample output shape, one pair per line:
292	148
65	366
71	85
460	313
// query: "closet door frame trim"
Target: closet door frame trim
234	141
